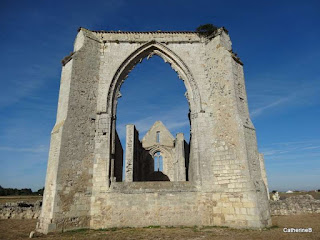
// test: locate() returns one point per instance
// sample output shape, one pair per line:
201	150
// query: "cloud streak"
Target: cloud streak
174	119
277	93
286	147
258	111
37	149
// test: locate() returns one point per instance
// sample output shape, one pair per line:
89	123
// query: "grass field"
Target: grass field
20	229
29	199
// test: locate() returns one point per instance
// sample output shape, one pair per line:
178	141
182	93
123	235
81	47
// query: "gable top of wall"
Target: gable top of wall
148	32
161	36
166	137
164	37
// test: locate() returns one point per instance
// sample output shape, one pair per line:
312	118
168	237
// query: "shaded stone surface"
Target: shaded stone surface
158	176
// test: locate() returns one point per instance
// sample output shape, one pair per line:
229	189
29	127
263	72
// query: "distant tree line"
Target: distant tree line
15	191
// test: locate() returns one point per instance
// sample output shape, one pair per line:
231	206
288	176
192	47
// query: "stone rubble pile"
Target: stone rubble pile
301	204
20	210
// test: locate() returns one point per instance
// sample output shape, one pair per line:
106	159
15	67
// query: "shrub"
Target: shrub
206	29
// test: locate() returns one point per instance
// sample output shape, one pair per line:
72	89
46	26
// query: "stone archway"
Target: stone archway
145	51
227	184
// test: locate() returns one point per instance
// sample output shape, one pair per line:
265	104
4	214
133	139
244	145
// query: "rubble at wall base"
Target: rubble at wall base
301	204
20	210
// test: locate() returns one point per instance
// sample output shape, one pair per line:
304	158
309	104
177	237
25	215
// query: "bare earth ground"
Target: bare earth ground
19	229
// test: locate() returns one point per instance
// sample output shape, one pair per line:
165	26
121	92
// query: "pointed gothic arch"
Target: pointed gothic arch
146	51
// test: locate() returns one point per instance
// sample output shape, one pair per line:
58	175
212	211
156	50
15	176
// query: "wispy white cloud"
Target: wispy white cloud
172	126
175	119
309	148
268	95
276	103
26	82
289	147
293	164
36	149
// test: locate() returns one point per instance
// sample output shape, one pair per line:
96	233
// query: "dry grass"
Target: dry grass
314	194
30	199
20	229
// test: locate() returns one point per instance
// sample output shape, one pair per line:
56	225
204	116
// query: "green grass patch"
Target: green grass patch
272	227
152	226
112	229
214	226
195	229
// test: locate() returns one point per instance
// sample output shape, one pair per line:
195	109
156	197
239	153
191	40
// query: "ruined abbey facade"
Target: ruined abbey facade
158	157
216	179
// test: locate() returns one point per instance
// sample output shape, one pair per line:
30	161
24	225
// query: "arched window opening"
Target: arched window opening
144	121
158	162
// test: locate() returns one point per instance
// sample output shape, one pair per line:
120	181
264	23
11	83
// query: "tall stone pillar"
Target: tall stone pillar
180	158
130	144
69	180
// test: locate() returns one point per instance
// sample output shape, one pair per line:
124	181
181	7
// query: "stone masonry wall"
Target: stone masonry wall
301	204
67	205
226	187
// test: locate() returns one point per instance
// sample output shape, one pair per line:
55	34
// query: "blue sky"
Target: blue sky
278	41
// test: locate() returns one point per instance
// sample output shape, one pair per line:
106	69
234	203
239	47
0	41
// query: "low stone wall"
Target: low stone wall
20	210
301	204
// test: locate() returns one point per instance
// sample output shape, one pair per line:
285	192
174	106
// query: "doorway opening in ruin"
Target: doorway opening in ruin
152	124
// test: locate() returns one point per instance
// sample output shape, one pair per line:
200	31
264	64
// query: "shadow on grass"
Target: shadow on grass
193	228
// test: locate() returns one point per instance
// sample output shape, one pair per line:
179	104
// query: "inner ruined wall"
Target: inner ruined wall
118	163
181	158
187	158
171	149
225	186
140	161
138	165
